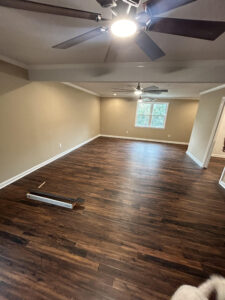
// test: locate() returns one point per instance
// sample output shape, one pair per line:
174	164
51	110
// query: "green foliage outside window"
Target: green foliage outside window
151	114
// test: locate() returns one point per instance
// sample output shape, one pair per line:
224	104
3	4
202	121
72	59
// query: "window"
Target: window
152	115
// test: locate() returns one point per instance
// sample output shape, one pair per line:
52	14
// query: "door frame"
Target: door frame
212	138
221	182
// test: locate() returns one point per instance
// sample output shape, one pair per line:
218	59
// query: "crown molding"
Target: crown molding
13	62
155	98
80	88
213	89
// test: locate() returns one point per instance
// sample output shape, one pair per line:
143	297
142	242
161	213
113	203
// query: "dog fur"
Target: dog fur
204	291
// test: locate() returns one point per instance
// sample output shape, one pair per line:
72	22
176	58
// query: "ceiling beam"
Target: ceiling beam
211	71
213	89
13	62
77	87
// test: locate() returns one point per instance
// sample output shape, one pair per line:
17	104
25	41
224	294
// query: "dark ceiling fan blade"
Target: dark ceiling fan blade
50	9
152	87
155	91
156	7
148	46
206	30
81	38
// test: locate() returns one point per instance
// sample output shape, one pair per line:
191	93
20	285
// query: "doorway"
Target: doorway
217	136
219	143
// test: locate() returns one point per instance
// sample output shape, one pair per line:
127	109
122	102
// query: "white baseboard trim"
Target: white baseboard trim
140	139
218	155
25	173
221	182
195	159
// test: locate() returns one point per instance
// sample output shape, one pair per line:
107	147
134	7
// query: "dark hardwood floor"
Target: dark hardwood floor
153	220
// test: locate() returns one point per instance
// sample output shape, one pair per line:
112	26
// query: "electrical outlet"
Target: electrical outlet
126	131
60	145
169	135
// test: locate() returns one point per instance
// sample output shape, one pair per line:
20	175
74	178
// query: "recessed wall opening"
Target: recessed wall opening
219	142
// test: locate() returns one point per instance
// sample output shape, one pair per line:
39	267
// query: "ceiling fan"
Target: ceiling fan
126	21
138	91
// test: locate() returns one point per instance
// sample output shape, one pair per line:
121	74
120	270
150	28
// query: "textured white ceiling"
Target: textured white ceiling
176	90
28	37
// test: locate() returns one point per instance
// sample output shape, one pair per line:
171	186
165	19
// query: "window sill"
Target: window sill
148	127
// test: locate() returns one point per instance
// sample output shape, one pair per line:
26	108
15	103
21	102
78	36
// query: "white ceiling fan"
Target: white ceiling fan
139	91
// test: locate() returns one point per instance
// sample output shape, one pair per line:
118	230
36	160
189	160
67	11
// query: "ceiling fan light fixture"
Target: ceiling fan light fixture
124	28
138	92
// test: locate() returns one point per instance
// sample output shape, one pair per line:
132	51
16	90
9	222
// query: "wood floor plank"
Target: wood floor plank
152	221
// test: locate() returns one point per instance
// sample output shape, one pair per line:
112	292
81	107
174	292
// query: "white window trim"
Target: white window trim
150	127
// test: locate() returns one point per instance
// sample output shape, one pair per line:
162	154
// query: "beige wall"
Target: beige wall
118	117
204	122
36	117
219	143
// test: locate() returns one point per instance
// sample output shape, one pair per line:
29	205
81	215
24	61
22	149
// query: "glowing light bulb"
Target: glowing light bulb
138	92
124	28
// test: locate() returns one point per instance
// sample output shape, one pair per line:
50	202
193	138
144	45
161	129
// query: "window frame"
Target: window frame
150	115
